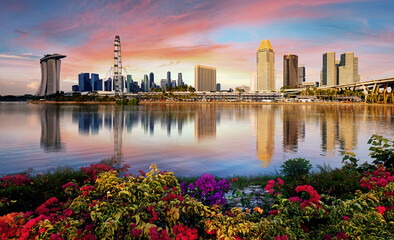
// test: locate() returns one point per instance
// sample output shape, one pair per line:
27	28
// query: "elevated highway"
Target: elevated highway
379	90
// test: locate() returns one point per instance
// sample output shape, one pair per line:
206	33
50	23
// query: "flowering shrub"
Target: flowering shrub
16	180
153	205
271	184
207	190
379	178
94	169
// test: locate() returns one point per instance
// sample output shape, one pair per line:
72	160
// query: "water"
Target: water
190	140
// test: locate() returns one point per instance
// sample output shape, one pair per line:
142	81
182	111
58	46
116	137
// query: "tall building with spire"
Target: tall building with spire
50	74
290	70
265	57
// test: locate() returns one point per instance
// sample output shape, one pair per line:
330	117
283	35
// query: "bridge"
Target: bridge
380	90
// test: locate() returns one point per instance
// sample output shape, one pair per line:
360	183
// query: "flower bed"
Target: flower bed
153	205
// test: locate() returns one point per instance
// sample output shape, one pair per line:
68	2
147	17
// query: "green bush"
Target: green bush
382	151
295	168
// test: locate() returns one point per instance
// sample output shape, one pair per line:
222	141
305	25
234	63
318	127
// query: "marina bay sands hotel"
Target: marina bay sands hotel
50	74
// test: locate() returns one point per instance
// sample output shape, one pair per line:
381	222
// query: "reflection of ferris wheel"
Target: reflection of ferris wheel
117	69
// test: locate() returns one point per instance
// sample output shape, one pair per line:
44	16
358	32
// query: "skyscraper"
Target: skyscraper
117	70
50	74
301	74
290	70
97	84
180	80
329	71
129	83
253	81
204	78
265	57
343	71
151	80
163	84
85	85
218	87
108	85
169	78
348	68
146	83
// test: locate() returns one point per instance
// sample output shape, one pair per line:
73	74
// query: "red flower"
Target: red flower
165	188
273	212
326	237
295	199
342	235
283	237
381	210
142	173
345	218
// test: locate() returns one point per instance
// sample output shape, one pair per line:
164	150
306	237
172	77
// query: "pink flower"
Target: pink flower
280	181
295	199
345	218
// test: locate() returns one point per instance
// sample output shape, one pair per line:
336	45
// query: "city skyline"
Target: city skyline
174	36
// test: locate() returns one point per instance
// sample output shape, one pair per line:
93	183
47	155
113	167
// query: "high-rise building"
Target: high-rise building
75	88
50	74
204	78
173	83
341	71
290	70
329	71
151	80
301	74
348	69
163	84
117	69
169	79
180	80
108	85
85	85
97	84
146	83
253	81
218	87
129	83
265	67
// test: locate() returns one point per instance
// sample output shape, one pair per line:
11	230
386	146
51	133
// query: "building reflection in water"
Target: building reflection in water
337	123
50	128
90	120
205	123
265	120
338	127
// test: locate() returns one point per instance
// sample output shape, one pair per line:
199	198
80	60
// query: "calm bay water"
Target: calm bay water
190	140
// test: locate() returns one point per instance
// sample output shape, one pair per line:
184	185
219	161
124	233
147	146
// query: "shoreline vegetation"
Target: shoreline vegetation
105	201
147	102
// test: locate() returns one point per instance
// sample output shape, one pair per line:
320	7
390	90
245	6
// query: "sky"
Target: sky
174	35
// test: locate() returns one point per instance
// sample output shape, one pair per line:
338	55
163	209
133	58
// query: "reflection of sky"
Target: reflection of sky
230	148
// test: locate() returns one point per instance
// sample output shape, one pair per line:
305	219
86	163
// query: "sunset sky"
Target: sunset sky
161	36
